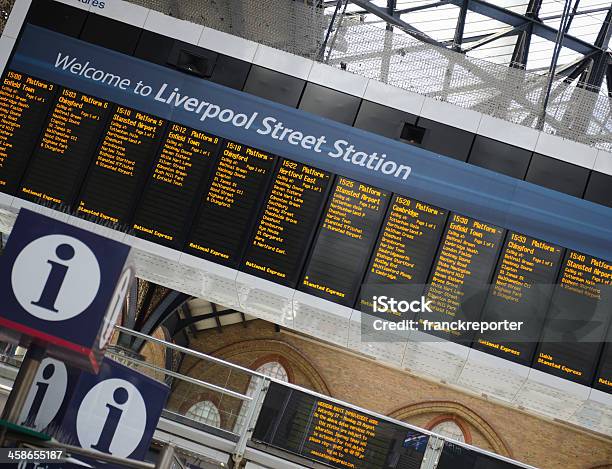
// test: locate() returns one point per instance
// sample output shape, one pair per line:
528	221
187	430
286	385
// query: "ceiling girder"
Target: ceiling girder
512	18
493	37
594	77
520	54
460	27
395	21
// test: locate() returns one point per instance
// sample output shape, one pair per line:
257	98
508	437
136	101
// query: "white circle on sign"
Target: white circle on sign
46	394
116	399
116	305
55	277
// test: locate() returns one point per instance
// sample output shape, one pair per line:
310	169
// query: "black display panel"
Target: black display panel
603	377
333	434
65	149
457	457
404	251
520	291
287	223
182	165
230	203
577	320
344	242
24	104
122	162
458	283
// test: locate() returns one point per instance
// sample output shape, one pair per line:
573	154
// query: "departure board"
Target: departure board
520	291
337	435
184	162
459	280
287	223
66	147
122	161
457	457
577	320
24	104
230	203
346	236
404	251
603	377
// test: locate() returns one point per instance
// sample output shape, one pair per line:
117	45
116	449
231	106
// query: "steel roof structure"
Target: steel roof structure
571	37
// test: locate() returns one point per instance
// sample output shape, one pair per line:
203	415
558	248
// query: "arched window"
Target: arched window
205	412
272	369
449	429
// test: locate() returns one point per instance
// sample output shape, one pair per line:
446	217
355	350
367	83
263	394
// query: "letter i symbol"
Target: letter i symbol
56	277
120	396
42	386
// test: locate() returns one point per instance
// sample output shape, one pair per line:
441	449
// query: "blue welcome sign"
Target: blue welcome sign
63	288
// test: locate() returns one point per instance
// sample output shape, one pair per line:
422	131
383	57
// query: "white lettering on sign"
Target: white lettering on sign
268	126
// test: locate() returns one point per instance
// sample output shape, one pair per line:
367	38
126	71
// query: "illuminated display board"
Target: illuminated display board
346	236
183	163
122	161
68	141
461	272
227	198
520	291
287	223
577	320
603	377
405	248
457	457
24	104
336	435
230	203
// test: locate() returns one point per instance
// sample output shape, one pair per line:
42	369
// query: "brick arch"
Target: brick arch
459	413
273	350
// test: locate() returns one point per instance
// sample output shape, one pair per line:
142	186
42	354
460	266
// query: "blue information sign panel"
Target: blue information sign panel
64	288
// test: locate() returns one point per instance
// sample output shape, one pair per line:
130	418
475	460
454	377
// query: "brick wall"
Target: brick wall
363	382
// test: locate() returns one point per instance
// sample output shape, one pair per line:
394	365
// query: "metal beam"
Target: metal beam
182	324
577	13
553	62
492	37
516	19
216	316
609	80
162	311
404	26
460	26
520	53
571	16
187	312
593	79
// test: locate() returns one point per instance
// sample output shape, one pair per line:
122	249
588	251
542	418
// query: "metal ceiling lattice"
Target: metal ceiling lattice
518	33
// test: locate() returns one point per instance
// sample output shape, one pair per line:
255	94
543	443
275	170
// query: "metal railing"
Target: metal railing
228	387
185	388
